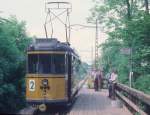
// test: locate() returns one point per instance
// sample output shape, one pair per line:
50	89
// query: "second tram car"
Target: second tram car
52	67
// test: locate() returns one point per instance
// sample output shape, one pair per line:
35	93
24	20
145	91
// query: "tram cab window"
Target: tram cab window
58	63
46	63
32	63
39	63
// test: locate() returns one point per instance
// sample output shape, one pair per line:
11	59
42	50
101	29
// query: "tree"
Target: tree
147	6
127	23
13	43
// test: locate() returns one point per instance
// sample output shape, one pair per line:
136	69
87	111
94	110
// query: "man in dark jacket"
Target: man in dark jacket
98	80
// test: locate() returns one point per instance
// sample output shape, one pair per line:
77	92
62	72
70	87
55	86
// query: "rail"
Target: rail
136	101
27	111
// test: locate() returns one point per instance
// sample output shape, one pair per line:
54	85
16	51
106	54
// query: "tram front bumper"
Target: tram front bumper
48	102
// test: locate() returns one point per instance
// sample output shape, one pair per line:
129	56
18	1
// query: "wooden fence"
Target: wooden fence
136	101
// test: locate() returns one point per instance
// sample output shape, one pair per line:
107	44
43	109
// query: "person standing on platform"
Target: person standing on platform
96	80
107	76
112	83
100	76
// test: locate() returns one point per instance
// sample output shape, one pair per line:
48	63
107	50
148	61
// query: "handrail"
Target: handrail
136	93
133	94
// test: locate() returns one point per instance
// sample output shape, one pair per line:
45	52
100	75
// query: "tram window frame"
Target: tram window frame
30	64
61	66
44	64
54	67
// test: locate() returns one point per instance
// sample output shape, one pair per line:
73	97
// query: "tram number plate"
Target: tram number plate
31	85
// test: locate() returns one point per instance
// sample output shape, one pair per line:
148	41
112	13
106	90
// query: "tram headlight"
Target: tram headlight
45	82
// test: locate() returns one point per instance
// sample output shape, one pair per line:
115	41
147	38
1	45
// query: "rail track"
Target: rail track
28	111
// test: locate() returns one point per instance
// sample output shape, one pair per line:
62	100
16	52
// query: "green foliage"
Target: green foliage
13	42
112	58
127	26
143	82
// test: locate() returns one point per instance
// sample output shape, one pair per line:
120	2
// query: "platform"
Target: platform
90	102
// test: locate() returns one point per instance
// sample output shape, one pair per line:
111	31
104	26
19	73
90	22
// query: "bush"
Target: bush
13	42
142	83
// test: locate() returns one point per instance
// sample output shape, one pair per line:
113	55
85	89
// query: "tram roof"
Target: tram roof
50	44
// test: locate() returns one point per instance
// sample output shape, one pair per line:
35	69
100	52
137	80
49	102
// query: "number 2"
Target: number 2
31	85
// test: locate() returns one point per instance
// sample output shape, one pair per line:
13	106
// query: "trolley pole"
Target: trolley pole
96	44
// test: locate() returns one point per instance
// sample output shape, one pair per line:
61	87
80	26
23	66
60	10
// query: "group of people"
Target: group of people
112	80
97	76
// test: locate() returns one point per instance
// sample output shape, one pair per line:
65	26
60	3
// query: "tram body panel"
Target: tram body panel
56	90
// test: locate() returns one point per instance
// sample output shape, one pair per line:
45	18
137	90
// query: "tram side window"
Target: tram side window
76	66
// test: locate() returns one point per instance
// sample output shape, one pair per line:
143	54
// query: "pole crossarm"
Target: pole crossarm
84	26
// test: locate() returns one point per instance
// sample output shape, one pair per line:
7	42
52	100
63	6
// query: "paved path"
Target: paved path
90	102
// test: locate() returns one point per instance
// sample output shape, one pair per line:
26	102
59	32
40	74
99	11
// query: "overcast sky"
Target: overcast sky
33	12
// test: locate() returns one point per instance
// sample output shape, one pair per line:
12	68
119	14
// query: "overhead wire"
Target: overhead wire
51	24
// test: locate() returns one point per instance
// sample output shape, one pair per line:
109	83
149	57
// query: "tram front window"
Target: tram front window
46	63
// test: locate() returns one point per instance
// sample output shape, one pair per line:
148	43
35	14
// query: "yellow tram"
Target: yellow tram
51	72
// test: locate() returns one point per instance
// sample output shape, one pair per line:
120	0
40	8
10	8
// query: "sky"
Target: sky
33	12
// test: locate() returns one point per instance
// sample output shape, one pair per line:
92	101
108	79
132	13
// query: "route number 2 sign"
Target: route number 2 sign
31	85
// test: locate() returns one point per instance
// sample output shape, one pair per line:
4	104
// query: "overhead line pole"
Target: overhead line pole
91	57
96	44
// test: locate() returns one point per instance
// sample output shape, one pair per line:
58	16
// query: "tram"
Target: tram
52	67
